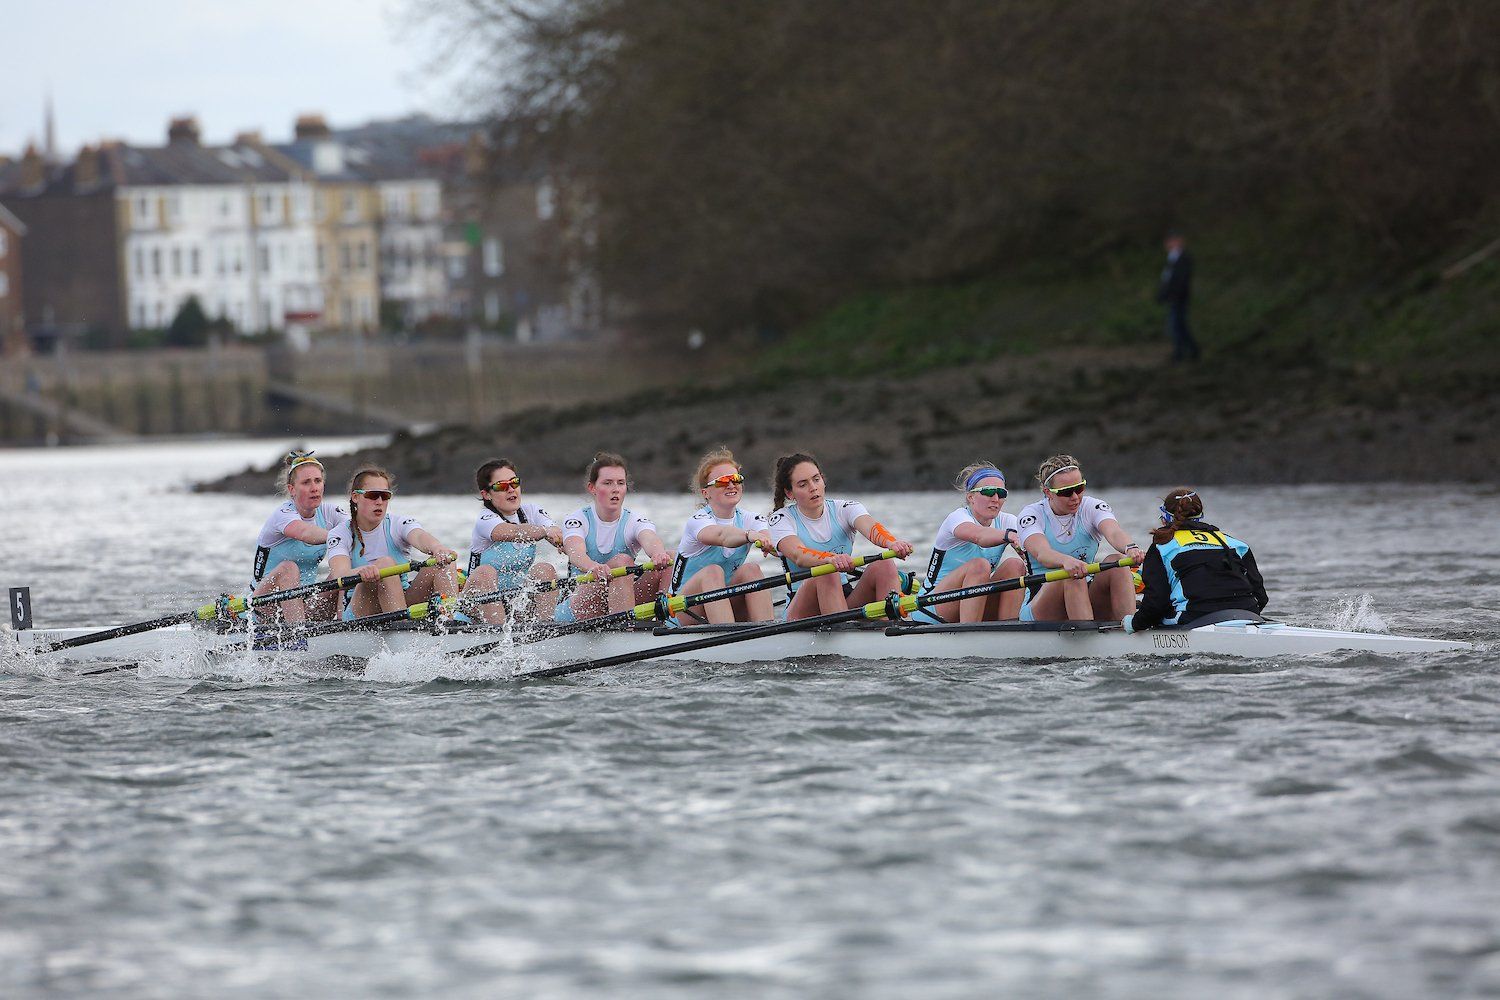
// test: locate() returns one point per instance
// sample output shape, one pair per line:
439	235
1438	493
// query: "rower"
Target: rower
716	541
604	535
502	549
969	548
816	530
1063	531
373	539
294	539
1194	570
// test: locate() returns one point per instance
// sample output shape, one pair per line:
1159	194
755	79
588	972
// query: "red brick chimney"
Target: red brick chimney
311	127
86	169
184	129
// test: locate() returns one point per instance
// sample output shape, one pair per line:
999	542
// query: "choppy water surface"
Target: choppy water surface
1299	828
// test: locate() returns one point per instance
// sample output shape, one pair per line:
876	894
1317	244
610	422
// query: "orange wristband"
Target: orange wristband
881	535
814	552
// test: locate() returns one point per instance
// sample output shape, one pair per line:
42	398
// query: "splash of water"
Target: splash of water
1356	613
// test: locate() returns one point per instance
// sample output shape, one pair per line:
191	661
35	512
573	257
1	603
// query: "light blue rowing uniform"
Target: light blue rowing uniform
729	560
358	557
1082	543
839	542
586	520
306	556
512	560
949	552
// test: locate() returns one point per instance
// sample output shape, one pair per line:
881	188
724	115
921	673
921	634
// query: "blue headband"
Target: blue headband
984	473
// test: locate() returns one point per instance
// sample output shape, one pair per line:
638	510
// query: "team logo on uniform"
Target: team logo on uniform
1028	520
1101	505
542	512
776	518
406	520
849	503
573	522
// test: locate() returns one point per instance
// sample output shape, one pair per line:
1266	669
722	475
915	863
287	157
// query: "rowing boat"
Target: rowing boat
874	641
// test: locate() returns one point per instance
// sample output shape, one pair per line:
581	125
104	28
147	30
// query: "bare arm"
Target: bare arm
984	537
302	531
1116	536
881	537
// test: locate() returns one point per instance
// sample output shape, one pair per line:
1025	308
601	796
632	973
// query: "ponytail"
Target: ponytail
355	482
1178	508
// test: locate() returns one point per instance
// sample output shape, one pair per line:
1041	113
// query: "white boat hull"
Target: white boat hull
1003	641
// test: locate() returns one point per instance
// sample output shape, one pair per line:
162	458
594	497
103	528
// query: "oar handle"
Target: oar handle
665	607
237	604
903	606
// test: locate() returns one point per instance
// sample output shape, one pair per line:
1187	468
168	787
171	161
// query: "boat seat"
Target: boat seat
1236	615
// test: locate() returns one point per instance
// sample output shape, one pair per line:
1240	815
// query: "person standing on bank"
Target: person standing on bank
1194	570
1175	290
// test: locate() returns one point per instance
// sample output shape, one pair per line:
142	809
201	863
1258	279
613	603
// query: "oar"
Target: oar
560	584
226	606
665	607
892	607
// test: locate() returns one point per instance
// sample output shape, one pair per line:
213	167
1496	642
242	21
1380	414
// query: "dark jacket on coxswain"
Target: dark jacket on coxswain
1198	571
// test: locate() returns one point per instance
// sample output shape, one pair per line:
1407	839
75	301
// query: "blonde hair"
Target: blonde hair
718	455
961	482
294	460
357	480
1054	465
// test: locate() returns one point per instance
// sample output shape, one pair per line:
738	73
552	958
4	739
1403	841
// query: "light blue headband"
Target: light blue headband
984	473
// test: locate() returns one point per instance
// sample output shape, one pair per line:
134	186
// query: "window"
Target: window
364	255
546	200
193	261
140	262
494	258
457	267
177	262
346	260
268	206
239	261
143	210
322	259
156	262
320	205
351	210
140	315
492	307
265	259
219	262
224	207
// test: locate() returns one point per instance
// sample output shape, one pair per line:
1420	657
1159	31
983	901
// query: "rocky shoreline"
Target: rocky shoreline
1130	422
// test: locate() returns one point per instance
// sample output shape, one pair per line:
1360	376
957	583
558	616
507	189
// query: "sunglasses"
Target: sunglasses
991	491
375	494
513	483
1069	491
724	482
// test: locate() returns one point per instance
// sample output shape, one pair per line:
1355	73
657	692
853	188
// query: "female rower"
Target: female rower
815	530
1062	531
373	539
293	539
502	549
716	541
968	548
1194	570
603	535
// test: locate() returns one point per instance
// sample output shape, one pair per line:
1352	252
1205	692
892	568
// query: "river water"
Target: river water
1316	827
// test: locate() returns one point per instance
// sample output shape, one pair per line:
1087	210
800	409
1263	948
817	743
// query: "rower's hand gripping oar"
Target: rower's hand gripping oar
665	606
548	586
226	606
894	606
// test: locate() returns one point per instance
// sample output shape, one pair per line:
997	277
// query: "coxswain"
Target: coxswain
969	548
716	542
816	530
294	539
603	535
373	538
1063	531
1194	571
502	549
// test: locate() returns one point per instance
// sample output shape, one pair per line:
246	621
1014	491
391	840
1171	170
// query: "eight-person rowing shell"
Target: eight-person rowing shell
373	539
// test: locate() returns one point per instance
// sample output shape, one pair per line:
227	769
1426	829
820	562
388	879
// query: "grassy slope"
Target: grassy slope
1411	328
